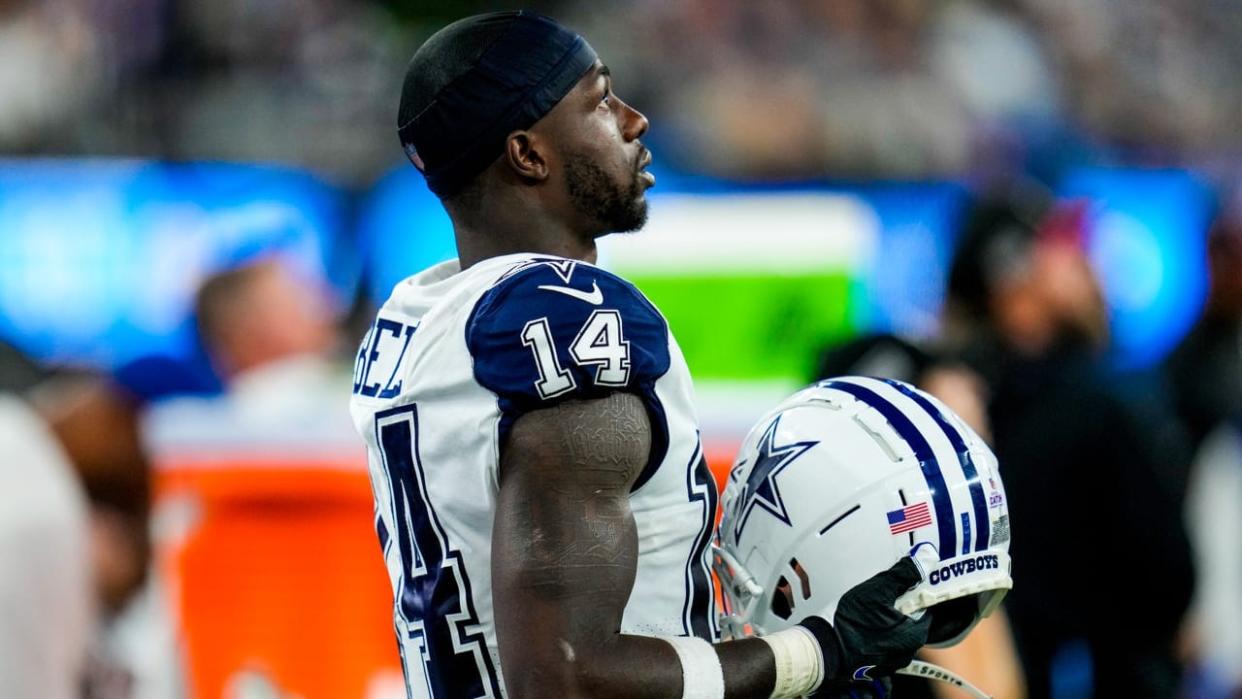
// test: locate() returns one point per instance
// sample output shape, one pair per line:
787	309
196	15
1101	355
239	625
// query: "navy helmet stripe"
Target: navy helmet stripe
977	498
928	462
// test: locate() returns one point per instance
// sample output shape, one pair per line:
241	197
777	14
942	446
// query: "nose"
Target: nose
633	123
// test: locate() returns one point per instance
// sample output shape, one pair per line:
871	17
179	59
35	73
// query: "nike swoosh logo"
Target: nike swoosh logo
863	674
594	297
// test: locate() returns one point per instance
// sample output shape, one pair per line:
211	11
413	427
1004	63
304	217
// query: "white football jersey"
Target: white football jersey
453	359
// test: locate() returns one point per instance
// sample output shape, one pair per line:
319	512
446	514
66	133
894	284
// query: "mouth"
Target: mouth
643	162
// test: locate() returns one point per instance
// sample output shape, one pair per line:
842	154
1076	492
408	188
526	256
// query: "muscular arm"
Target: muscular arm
565	552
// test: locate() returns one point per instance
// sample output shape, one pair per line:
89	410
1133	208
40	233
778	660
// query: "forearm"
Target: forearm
553	642
640	667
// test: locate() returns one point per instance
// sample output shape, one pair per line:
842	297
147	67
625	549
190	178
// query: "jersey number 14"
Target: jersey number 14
599	343
439	624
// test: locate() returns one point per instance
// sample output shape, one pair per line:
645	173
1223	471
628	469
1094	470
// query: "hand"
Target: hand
869	638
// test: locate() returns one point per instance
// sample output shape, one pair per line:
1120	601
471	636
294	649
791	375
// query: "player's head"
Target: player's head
514	100
260	312
1021	269
842	480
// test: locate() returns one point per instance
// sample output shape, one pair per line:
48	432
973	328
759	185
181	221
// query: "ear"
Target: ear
524	151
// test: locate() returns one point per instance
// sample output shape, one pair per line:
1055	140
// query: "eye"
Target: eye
607	98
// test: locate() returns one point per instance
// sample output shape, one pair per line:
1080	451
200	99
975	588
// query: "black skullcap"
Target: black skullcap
477	80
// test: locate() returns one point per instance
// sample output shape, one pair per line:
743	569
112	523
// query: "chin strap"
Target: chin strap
919	668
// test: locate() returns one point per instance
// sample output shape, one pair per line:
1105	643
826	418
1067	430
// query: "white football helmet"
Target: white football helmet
842	480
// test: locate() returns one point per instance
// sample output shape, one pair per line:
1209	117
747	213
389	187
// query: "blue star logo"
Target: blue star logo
761	487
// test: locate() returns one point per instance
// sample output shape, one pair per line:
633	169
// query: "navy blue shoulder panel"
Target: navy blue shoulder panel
503	334
604	334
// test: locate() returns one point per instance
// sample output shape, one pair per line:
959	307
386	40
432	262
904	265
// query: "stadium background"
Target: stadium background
814	160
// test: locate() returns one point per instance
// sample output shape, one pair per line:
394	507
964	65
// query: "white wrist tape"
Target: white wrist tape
799	662
701	674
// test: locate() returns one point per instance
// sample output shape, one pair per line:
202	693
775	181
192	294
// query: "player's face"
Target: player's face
602	157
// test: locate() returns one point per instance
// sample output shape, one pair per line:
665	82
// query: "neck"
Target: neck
503	224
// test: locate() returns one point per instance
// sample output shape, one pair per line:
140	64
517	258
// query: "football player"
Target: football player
542	499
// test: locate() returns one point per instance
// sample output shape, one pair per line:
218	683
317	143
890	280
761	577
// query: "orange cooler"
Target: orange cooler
276	580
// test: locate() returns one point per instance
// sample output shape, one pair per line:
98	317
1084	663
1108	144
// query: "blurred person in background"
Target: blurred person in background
73	534
47	72
987	655
1206	368
1205	373
265	326
1095	484
46	605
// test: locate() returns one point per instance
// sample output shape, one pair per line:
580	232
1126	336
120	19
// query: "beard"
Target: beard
616	207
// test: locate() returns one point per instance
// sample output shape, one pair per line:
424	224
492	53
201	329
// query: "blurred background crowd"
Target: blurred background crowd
909	88
1030	208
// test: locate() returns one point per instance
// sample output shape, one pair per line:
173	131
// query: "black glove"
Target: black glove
868	638
876	689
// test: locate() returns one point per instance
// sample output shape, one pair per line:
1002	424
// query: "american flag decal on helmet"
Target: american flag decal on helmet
907	519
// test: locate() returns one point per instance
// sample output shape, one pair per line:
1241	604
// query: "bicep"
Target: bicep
563	522
564	541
